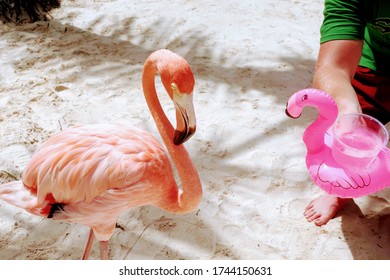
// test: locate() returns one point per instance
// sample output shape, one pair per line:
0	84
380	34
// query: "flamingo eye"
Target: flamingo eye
304	97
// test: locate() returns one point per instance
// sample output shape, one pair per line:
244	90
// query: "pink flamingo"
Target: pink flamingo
324	170
90	174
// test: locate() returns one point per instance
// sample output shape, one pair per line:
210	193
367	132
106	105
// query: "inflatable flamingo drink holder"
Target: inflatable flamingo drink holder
346	155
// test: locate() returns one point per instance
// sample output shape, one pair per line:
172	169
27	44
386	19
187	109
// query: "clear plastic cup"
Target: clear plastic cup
357	140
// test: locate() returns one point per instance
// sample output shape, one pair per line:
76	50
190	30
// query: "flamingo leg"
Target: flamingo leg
104	250
88	247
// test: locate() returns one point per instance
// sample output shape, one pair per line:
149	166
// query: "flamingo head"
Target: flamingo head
311	97
178	80
327	114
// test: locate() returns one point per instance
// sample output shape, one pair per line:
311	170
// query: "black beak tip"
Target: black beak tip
289	115
182	136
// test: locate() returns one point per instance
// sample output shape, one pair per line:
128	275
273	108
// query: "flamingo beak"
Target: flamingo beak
185	116
291	115
292	109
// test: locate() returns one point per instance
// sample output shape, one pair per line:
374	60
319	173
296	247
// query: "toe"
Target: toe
313	217
309	212
319	222
309	206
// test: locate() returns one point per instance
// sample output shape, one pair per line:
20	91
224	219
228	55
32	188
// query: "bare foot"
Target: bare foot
323	208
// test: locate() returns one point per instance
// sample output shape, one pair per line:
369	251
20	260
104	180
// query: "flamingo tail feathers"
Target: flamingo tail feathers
15	193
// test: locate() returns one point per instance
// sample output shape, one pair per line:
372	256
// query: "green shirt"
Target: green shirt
357	20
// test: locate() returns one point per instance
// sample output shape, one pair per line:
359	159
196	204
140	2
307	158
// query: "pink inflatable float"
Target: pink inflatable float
339	173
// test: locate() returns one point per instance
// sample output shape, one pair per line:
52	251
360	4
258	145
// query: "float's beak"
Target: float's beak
292	109
185	116
290	114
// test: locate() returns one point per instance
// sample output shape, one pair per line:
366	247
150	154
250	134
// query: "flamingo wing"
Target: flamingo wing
343	178
83	162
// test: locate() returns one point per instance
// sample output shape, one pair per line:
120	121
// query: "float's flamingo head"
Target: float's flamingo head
310	97
178	80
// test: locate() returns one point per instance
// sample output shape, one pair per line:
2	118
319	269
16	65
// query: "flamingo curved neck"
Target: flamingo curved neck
189	198
315	133
327	114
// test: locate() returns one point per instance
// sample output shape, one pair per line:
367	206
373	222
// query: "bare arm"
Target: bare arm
336	66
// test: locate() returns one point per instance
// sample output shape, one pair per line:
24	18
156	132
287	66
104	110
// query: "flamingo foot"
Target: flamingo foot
88	247
104	250
323	208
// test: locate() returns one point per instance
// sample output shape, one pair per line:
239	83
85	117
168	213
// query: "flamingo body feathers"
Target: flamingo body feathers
85	161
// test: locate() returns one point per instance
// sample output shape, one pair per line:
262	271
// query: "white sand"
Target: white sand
248	56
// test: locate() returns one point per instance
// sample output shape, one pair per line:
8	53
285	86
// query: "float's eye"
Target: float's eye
305	97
